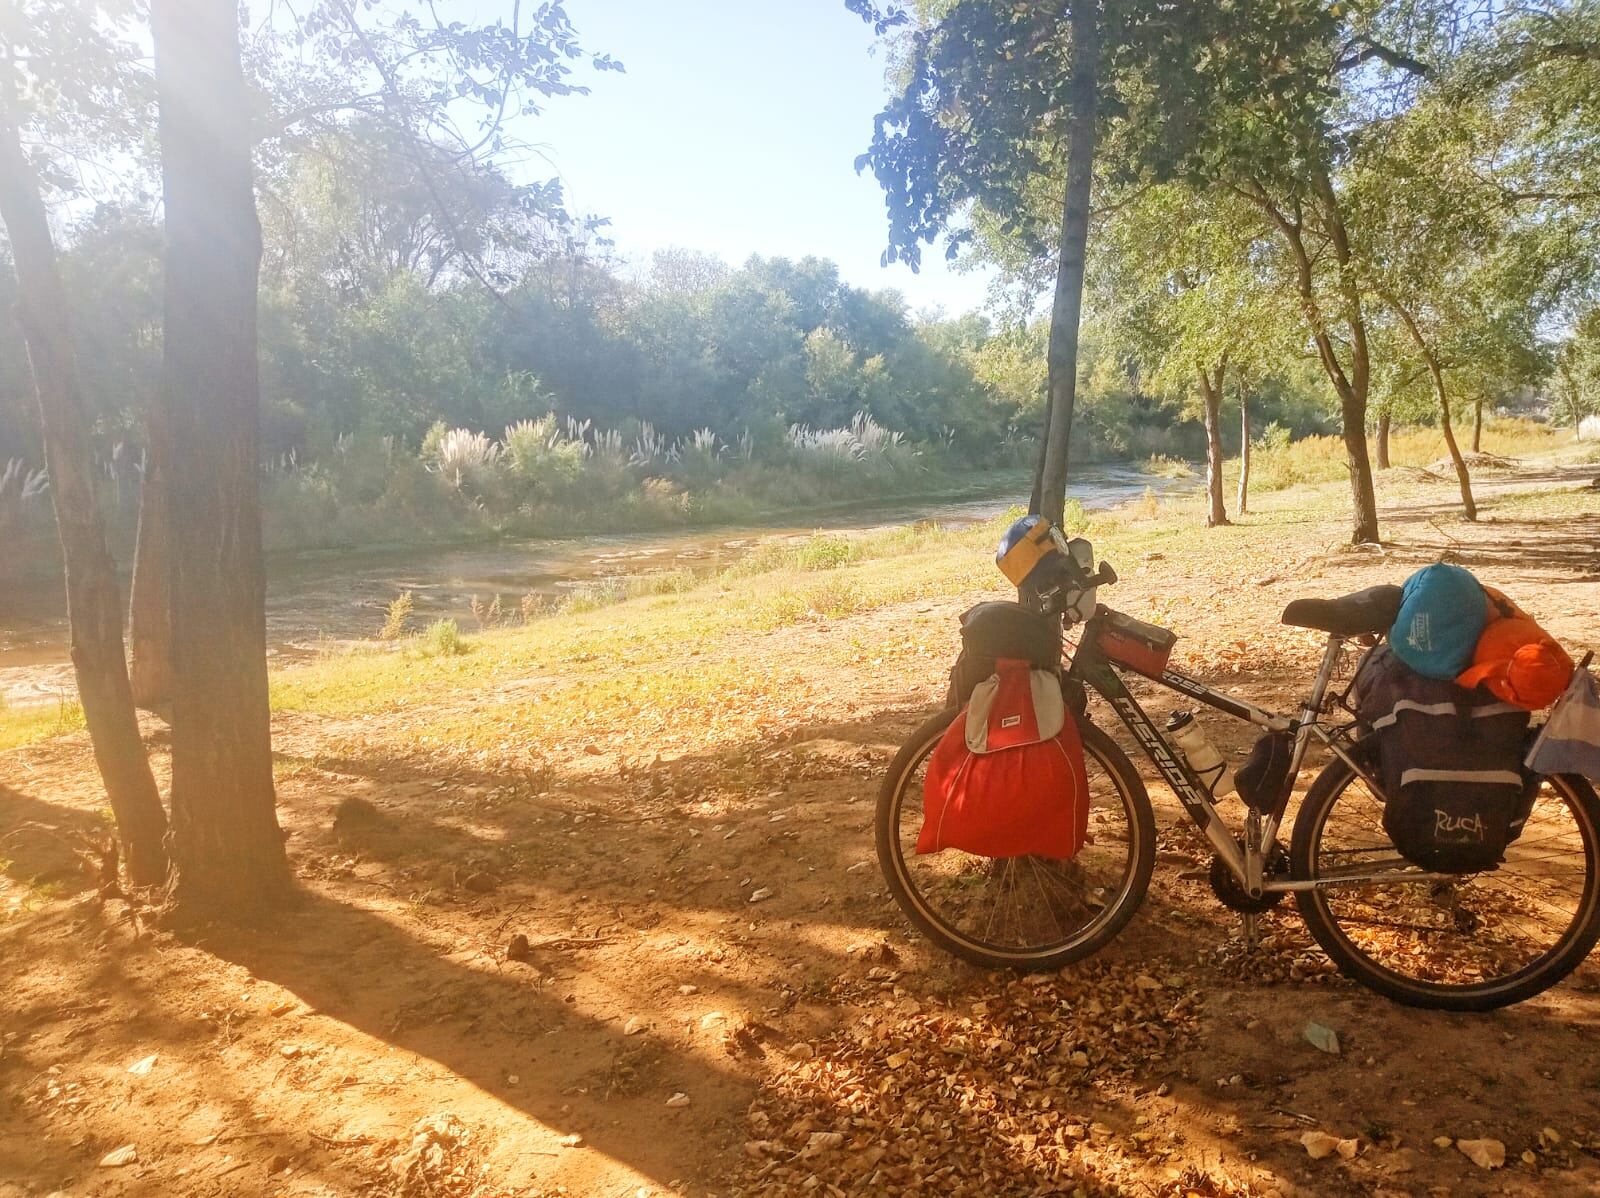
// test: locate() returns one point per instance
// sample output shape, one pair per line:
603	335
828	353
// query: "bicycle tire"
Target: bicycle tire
1141	823
1539	975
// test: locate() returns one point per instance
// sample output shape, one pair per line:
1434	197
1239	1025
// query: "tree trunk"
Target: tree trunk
1364	498
1383	439
1244	451
1351	386
150	617
227	849
1211	395
1463	478
1477	425
1050	486
94	601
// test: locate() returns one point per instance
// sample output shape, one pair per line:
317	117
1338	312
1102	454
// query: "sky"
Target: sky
734	130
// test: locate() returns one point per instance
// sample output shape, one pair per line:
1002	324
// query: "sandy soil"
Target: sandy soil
382	1039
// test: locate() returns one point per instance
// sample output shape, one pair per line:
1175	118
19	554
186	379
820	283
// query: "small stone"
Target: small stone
1322	1038
572	1141
290	1051
143	1065
634	1026
518	948
678	1101
688	990
481	883
761	894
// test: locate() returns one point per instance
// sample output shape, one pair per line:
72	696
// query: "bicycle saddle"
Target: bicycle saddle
1371	610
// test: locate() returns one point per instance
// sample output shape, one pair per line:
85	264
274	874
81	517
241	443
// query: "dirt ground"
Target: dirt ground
660	1030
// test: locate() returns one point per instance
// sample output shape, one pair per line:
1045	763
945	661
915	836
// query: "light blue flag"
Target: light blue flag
1570	740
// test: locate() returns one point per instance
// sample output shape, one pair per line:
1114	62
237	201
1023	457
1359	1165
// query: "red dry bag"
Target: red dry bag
1007	779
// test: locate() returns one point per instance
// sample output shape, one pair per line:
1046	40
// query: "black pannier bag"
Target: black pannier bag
1001	629
1450	761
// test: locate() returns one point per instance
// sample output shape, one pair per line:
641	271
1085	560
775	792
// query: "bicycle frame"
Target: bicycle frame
1090	666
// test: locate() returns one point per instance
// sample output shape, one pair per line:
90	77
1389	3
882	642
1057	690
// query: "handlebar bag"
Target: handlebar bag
1450	761
1007	779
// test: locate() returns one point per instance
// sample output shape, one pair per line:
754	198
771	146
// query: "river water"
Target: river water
315	598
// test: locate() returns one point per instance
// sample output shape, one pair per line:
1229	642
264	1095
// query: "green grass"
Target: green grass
25	725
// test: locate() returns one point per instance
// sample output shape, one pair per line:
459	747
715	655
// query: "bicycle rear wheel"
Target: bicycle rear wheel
1026	913
1469	943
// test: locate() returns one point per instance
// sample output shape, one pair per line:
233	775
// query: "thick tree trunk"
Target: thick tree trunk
227	849
1050	486
1463	478
1211	397
1477	425
94	602
1244	451
1383	439
150	617
1364	499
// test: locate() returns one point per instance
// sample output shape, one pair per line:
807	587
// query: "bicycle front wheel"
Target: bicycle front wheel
1469	943
1025	913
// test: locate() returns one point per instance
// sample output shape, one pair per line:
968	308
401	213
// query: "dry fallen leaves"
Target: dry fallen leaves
985	1096
1486	1154
1319	1144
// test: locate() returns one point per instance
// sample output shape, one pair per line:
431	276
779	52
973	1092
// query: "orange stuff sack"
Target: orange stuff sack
1007	779
1519	662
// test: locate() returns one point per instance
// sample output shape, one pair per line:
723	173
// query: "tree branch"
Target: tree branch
1364	49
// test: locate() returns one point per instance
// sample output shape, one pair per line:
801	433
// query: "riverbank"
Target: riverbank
321	600
615	785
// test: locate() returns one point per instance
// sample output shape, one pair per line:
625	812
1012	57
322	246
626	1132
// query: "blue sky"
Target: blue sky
734	131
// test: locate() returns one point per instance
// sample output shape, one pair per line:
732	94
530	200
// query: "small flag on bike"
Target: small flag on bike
1570	740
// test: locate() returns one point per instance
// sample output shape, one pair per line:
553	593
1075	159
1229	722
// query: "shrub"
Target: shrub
465	460
822	551
540	463
398	612
443	639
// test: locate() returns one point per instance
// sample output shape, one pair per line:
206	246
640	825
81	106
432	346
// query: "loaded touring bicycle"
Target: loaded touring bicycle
1448	938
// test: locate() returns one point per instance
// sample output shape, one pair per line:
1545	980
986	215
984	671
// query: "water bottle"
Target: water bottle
1184	731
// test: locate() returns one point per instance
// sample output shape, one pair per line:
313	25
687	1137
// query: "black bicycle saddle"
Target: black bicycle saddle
1371	610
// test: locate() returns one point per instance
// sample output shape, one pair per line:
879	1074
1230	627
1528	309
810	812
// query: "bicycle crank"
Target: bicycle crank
1232	894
